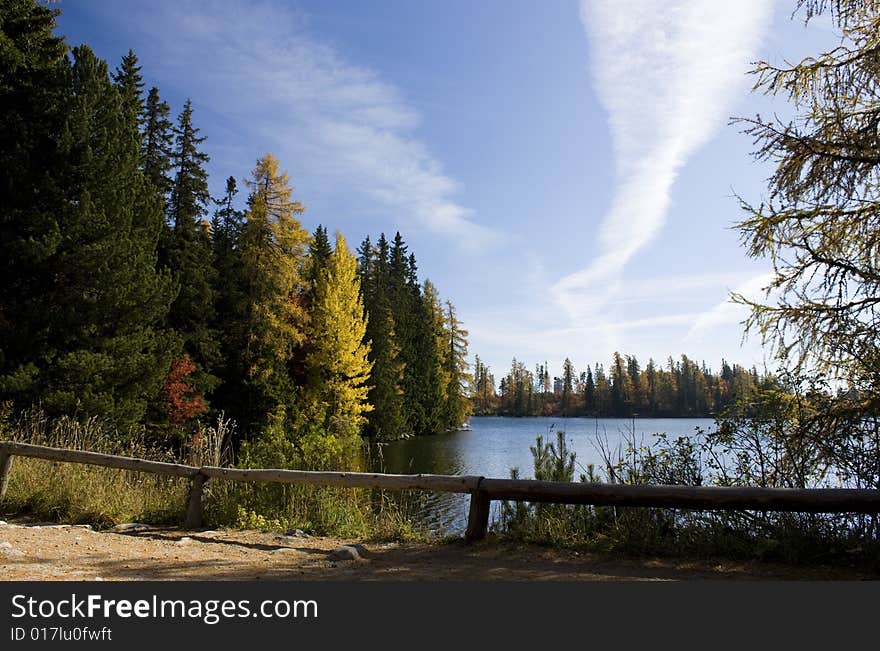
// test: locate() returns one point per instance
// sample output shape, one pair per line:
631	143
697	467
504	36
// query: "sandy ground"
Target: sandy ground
45	552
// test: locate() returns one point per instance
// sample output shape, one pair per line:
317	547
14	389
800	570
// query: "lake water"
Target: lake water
496	444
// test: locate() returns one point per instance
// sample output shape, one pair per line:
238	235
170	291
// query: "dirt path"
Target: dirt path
30	552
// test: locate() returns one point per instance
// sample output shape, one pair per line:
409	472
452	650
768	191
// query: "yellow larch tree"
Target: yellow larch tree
272	248
337	366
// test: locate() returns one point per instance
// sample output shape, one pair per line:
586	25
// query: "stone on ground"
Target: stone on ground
130	527
348	553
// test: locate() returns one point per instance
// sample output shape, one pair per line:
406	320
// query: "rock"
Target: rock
292	536
5	545
285	550
11	553
130	527
2	523
348	553
186	540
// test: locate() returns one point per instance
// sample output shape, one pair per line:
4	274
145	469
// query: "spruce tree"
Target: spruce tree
386	420
226	226
458	408
229	300
413	330
130	83
589	393
188	251
34	94
567	386
319	256
428	375
157	144
107	352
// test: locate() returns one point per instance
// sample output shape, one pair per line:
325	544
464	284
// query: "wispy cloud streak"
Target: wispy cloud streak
666	72
727	312
271	78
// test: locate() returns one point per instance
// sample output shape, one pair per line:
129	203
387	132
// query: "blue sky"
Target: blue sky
564	171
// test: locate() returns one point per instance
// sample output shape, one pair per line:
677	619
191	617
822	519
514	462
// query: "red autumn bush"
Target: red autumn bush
181	399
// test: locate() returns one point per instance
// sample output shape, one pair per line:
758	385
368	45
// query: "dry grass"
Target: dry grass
80	494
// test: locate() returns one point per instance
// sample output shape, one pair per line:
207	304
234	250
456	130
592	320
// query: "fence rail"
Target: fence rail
482	490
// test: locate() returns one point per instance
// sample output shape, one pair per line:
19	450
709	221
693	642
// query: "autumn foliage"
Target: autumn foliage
181	400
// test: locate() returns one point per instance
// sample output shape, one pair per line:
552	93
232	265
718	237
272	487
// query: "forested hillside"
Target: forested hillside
131	294
677	389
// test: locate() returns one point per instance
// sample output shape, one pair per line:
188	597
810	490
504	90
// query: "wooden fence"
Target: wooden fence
482	490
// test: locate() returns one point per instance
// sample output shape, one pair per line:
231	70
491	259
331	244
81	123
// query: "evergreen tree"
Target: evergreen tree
567	387
386	421
229	300
650	380
226	226
337	365
620	387
428	376
458	408
34	94
105	351
483	388
130	84
157	144
589	393
415	329
189	194
188	250
319	256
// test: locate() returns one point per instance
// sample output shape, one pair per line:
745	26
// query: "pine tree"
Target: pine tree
188	251
157	144
458	407
428	371
130	84
34	94
105	349
589	394
414	327
337	365
567	386
189	194
386	421
319	256
483	391
226	226
229	300
272	248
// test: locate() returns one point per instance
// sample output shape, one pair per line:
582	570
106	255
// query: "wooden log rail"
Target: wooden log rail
481	489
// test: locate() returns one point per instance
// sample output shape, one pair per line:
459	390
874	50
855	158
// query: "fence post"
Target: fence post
196	507
5	467
478	515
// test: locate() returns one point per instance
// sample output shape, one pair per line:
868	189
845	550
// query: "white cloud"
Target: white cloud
727	312
260	68
666	72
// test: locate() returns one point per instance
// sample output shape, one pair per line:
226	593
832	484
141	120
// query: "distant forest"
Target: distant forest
680	388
